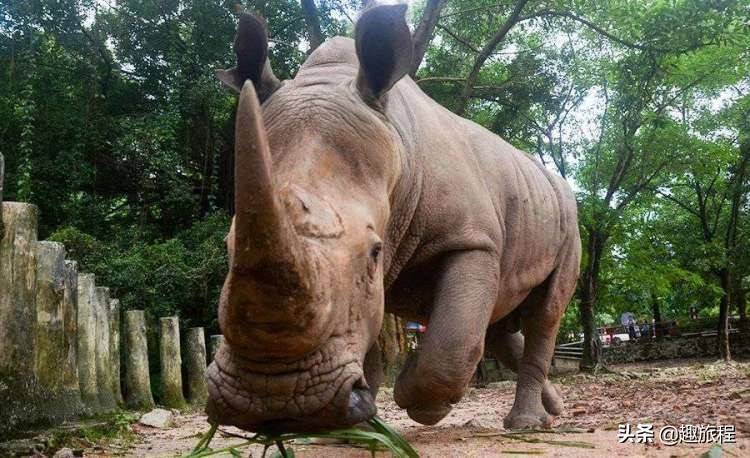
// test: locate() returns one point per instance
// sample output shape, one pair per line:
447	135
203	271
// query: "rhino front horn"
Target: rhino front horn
272	276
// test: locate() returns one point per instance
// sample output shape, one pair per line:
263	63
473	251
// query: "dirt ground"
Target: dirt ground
666	393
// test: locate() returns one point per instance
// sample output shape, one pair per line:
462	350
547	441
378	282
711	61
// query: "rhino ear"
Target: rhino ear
384	49
251	48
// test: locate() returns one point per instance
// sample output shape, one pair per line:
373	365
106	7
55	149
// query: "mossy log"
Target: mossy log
18	388
137	379
170	363
114	349
87	343
214	343
71	387
50	331
103	356
195	366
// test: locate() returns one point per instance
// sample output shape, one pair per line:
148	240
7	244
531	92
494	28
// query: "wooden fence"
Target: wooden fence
66	350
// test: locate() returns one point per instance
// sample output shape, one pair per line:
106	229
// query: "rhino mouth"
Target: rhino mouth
323	391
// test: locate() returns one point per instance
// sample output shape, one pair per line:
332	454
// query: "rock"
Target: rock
480	423
505	384
64	453
158	418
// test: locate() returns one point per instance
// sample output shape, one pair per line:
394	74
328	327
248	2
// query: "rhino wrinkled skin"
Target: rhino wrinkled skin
355	194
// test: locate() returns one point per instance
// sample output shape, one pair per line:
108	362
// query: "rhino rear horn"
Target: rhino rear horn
384	49
251	49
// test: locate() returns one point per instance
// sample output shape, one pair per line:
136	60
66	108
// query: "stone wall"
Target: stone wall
676	347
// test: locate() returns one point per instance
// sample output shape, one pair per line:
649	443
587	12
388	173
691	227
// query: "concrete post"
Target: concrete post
71	386
171	363
114	349
49	332
87	343
2	180
137	380
103	356
17	315
213	346
195	364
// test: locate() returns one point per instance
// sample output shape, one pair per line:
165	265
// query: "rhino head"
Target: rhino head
316	162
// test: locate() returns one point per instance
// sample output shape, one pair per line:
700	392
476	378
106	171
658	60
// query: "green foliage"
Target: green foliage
182	275
111	122
383	437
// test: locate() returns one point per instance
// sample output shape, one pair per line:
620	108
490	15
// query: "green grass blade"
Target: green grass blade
381	427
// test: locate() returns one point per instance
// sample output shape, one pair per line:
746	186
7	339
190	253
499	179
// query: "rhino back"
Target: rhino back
470	190
479	192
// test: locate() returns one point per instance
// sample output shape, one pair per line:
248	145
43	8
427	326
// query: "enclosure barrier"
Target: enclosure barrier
213	345
61	338
137	379
195	366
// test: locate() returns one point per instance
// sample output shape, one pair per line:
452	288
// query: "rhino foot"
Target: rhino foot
552	399
428	415
527	421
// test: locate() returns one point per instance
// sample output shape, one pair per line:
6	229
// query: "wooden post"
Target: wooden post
195	364
114	349
213	346
137	379
17	315
103	356
71	386
171	363
2	180
87	343
49	333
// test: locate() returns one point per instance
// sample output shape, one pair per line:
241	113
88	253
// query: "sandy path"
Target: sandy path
683	393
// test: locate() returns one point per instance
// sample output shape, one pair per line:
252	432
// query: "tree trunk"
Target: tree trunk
314	33
392	341
592	346
657	315
425	30
726	284
485	54
739	298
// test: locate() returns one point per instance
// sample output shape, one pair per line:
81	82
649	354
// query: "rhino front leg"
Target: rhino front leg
437	375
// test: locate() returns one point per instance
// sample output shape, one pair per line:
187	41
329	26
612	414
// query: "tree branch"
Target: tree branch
486	52
424	31
314	33
459	39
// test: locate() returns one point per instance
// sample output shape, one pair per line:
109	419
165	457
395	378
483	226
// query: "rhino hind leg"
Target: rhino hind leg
507	347
543	311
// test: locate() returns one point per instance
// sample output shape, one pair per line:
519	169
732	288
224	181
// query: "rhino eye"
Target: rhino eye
375	251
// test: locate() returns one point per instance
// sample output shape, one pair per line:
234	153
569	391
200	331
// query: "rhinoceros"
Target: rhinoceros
355	195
